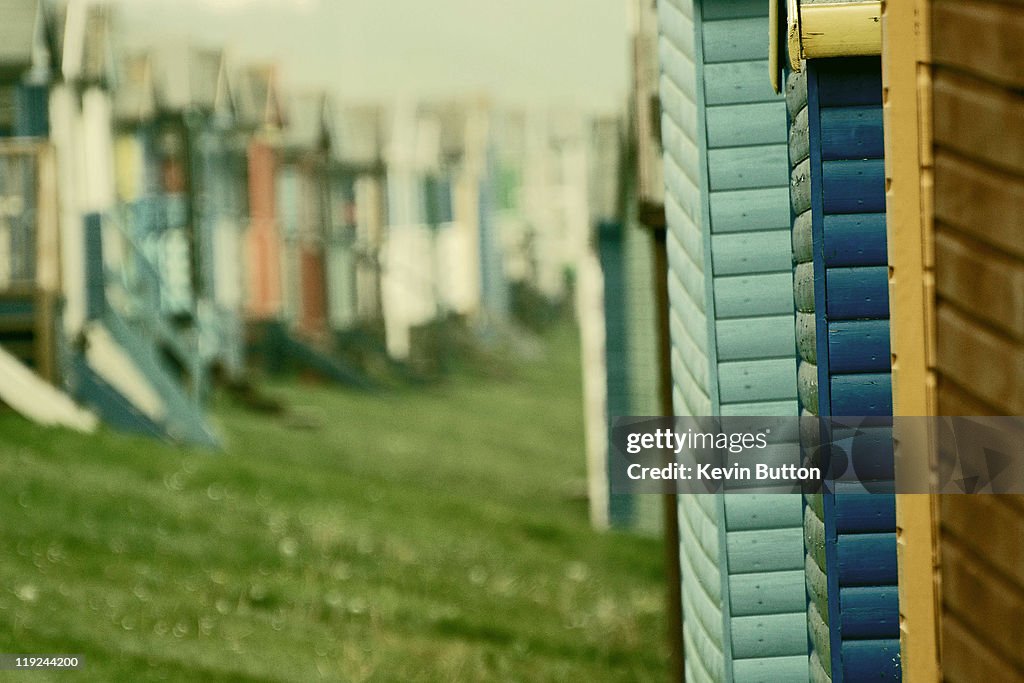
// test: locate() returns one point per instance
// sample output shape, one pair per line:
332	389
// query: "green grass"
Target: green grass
433	533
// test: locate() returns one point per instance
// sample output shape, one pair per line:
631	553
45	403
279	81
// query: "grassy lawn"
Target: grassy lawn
433	533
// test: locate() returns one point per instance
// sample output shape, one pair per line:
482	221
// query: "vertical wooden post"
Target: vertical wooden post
654	218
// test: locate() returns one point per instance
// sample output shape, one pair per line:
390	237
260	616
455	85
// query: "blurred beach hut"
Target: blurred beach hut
261	111
630	365
732	328
203	186
834	98
358	214
954	73
410	282
114	360
31	372
302	195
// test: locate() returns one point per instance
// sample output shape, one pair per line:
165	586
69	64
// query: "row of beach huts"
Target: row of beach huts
818	212
169	218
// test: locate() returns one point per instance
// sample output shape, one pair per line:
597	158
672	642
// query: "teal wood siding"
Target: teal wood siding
844	358
733	329
699	536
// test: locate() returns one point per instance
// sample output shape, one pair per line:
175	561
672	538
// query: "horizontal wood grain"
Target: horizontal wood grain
867	559
751	252
750	338
974	356
735	40
742	210
741	168
769	635
982	280
999	57
765	550
744	296
858	346
979	201
869	612
740	125
860	292
868	394
853	186
855	239
737	83
967	111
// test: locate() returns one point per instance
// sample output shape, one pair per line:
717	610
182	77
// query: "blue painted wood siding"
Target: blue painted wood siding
844	356
727	205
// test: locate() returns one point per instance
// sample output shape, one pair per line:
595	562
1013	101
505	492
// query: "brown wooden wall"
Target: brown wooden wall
978	123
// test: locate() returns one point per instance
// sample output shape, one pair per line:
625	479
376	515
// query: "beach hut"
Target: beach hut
203	189
302	195
357	210
732	324
834	95
31	372
955	170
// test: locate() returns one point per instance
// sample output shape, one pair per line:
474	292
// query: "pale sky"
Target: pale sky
565	52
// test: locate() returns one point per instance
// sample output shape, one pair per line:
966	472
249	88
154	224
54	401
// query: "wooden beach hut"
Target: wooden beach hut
954	118
302	196
834	95
357	211
203	185
732	324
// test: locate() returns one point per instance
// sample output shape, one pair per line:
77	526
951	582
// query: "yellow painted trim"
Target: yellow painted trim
793	46
841	30
906	95
774	68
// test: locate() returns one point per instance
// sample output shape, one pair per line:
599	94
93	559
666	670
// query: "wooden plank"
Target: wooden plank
750	252
743	168
772	408
679	107
853	186
770	669
999	57
852	133
855	239
858	346
757	511
865	512
867	394
807	386
767	550
981	202
985	527
871	660
867	559
762	209
861	292
769	635
757	380
749	338
800	187
803	251
816	582
796	92
841	29
852	82
821	658
684	231
806	337
735	40
733	9
803	287
984	600
975	356
745	296
678	29
736	125
966	658
799	137
968	112
736	83
981	280
869	612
